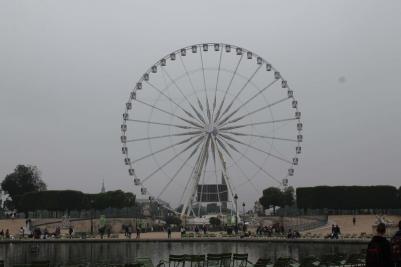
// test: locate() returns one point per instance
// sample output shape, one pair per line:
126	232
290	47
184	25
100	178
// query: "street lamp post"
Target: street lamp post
236	211
92	216
243	212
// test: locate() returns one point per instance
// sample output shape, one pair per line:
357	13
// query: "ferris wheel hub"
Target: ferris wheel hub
212	129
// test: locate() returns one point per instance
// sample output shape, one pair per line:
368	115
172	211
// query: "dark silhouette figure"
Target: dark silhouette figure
70	231
169	232
138	233
396	247
378	253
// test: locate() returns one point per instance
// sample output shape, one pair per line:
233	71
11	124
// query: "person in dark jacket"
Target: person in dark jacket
378	253
396	246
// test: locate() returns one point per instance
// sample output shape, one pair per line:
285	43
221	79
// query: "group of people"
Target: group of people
128	230
105	230
38	233
292	234
270	230
197	229
5	234
384	253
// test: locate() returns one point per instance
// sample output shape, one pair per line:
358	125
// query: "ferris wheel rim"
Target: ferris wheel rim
201	45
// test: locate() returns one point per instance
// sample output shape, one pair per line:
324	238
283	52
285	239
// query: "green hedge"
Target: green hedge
61	200
348	197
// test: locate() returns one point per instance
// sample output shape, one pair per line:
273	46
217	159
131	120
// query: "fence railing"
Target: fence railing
304	223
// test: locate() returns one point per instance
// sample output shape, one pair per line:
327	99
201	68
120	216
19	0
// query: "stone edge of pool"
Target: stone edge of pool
318	241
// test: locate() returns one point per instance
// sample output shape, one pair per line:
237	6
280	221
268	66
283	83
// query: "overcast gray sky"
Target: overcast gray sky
66	69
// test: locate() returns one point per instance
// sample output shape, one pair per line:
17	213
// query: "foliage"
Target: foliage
173	220
22	180
179	208
214	221
288	196
212	208
348	197
111	199
274	197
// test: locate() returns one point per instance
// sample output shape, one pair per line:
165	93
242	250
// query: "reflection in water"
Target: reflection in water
120	252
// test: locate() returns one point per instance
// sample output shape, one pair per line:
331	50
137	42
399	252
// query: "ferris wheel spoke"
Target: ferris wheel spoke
223	163
217	83
179	89
263	136
253	162
172	101
212	147
173	158
171	114
249	100
164	149
228	87
255	148
164	136
255	111
204	86
246	177
239	92
213	144
193	89
204	172
224	148
227	128
164	124
179	170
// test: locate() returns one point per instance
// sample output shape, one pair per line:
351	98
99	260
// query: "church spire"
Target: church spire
103	189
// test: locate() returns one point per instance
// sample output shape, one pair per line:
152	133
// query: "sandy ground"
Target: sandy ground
363	224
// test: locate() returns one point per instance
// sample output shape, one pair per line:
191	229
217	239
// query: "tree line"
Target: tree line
382	197
67	200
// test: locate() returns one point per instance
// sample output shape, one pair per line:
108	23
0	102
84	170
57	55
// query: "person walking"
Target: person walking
138	232
129	231
378	253
396	247
21	232
169	232
183	231
353	220
70	231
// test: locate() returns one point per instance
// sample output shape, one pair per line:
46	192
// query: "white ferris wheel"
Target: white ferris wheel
209	122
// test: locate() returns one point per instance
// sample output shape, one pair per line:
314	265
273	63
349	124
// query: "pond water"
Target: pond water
120	252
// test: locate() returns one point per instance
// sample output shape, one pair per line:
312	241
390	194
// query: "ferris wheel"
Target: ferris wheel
208	123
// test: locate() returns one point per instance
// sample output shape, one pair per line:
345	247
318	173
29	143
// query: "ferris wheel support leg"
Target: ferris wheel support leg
231	192
195	180
188	201
227	180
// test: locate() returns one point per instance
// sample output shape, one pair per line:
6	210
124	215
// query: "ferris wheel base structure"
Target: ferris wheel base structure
208	123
